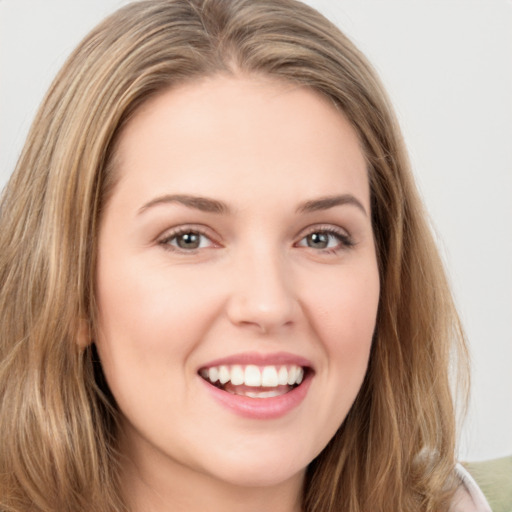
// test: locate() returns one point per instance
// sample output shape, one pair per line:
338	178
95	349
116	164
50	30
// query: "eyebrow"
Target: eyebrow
204	204
325	203
209	205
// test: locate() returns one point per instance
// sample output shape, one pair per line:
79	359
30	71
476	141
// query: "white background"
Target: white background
447	65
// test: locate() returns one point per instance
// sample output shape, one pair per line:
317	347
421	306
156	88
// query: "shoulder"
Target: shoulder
468	497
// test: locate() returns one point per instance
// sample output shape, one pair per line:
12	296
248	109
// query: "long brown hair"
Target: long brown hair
395	450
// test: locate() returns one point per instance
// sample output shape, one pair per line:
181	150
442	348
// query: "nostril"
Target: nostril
264	316
263	296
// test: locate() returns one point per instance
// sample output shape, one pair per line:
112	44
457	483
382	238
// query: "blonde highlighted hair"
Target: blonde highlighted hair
58	423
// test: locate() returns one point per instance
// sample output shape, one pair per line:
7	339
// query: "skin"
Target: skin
256	283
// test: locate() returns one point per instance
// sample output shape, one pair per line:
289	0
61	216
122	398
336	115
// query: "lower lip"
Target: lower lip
261	408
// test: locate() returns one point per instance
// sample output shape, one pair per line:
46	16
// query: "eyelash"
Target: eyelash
165	242
344	239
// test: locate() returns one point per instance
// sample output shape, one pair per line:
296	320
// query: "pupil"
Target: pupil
318	240
189	241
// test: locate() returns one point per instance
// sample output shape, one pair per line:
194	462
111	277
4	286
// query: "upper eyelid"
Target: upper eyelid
172	233
216	238
187	228
345	238
330	228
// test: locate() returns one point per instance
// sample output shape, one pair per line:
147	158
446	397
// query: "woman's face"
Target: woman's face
237	281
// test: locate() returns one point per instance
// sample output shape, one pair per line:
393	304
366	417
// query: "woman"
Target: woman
219	287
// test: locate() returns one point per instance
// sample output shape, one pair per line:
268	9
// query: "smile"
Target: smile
258	386
254	381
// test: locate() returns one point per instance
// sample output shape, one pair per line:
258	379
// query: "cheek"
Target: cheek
152	318
345	322
347	307
342	314
144	339
150	304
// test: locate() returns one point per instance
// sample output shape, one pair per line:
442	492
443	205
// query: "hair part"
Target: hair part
395	450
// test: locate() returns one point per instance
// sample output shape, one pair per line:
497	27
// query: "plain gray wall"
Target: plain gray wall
447	65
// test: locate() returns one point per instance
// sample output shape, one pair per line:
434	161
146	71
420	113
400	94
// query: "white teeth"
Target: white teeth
282	376
213	374
263	394
224	375
292	375
237	375
254	376
269	377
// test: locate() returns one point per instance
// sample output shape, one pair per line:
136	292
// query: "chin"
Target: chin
257	477
263	468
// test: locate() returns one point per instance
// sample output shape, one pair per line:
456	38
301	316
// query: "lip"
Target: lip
261	408
258	359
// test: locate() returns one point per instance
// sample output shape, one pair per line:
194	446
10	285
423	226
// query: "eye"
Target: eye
321	240
186	240
326	240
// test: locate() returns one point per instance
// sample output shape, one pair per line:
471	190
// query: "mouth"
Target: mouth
254	381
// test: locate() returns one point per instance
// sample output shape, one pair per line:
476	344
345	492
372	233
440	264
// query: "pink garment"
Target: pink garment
469	497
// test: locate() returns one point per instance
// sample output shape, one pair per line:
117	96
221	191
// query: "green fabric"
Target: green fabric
494	477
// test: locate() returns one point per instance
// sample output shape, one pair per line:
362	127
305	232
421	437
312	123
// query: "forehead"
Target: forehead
254	132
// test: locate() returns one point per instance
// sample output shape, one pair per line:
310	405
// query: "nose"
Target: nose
263	296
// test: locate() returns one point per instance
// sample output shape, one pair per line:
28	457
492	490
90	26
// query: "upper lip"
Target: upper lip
259	359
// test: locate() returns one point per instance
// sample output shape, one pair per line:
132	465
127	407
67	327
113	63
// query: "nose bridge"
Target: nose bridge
263	294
